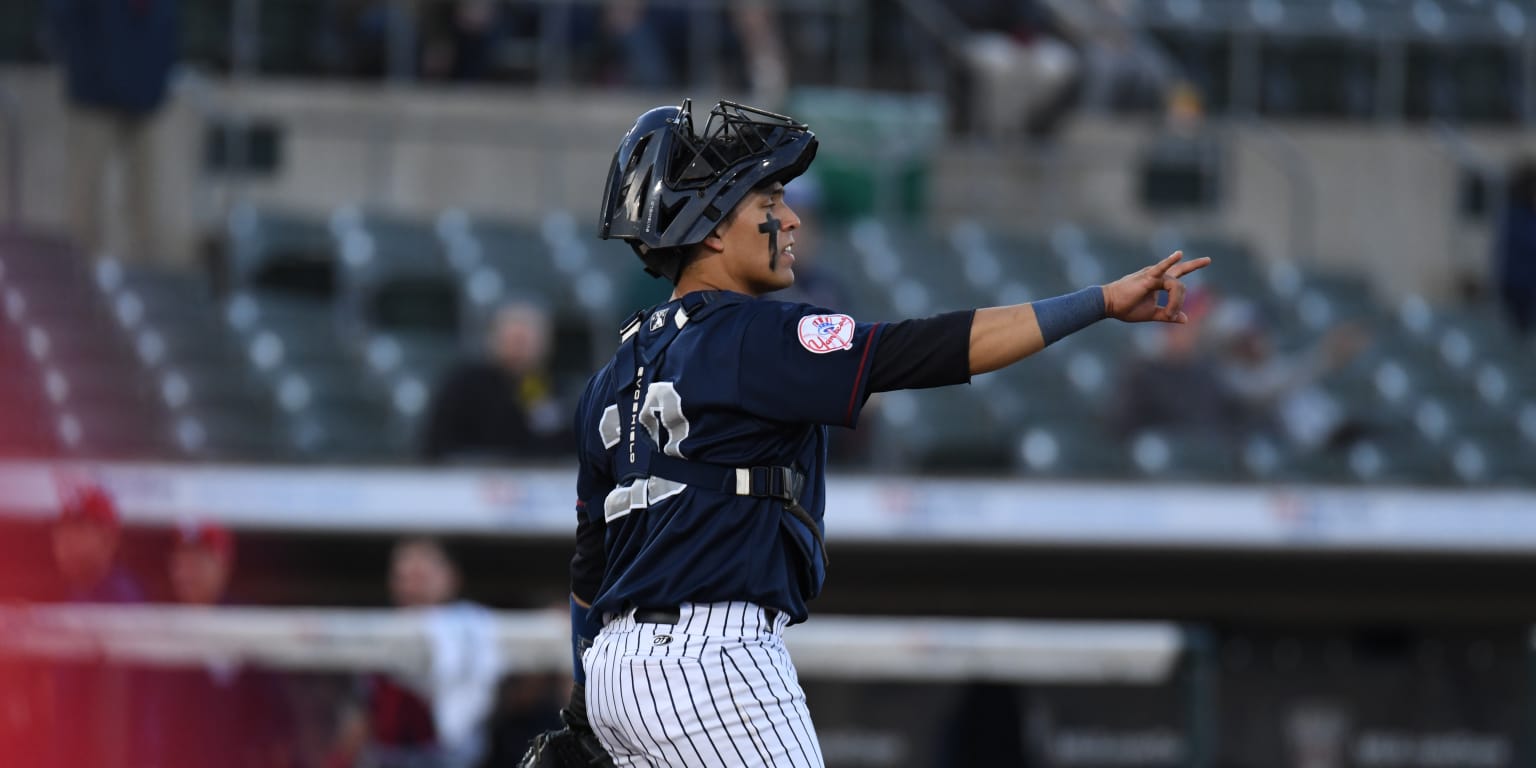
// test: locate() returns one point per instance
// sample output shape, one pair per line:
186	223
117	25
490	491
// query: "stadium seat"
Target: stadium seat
1326	300
942	430
522	257
1068	450
1235	270
302	328
395	275
282	252
930	264
1467	335
869	299
107	430
1502	460
1162	455
1397	459
1009	268
337	434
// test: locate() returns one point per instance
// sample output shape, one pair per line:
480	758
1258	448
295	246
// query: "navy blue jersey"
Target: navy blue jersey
721	380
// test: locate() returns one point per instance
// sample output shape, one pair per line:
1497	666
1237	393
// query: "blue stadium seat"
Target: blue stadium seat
286	250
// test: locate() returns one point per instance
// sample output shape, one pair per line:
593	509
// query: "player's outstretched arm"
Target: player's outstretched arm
1001	336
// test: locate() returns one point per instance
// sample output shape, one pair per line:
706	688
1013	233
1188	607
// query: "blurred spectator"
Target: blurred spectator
1181	165
462	38
762	50
433	717
216	713
1515	250
85	544
95	714
357	37
1179	389
117	57
1121	70
201	563
657	45
1024	68
1277	390
505	407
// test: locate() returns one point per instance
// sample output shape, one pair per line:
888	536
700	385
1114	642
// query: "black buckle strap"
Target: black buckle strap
781	483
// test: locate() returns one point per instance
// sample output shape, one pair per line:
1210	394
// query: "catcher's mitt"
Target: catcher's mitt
574	746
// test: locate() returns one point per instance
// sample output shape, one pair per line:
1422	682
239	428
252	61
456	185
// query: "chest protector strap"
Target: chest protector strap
781	483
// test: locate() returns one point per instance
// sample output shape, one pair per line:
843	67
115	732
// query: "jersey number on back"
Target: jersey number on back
662	416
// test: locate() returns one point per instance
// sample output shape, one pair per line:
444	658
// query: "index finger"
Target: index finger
1159	268
1189	266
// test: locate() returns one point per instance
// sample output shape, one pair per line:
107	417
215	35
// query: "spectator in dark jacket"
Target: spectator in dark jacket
505	407
117	57
1180	389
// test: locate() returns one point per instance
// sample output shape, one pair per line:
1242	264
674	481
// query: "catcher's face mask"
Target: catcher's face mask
670	185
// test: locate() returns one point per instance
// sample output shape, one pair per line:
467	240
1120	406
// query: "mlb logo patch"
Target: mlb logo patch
826	333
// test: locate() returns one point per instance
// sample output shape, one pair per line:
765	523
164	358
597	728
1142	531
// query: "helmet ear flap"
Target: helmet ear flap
665	262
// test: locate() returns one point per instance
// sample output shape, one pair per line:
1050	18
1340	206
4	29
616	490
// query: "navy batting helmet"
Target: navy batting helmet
669	186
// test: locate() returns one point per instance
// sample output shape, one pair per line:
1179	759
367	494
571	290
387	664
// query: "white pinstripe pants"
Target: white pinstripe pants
716	689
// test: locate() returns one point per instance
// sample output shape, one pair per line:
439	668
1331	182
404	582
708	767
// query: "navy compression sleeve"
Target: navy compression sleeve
584	628
586	579
917	354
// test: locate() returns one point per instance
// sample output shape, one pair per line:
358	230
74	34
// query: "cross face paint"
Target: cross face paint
771	227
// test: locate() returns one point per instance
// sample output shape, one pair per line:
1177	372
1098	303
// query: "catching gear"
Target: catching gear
574	746
669	186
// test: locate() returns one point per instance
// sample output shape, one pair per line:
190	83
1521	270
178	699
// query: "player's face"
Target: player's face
763	223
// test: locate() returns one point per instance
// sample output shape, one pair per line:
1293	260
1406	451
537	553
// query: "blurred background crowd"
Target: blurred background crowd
316	234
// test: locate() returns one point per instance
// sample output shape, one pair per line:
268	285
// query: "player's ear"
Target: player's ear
713	241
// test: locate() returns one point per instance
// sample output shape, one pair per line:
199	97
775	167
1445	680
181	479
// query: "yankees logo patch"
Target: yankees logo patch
826	333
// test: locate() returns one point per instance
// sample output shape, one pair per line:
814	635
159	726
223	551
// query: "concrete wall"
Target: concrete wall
497	152
1372	198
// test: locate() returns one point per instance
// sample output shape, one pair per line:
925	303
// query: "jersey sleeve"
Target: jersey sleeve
805	364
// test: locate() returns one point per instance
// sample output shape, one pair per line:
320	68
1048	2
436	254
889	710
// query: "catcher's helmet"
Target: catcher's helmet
669	186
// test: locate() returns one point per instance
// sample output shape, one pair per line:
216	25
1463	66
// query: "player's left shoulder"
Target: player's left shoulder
807	327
